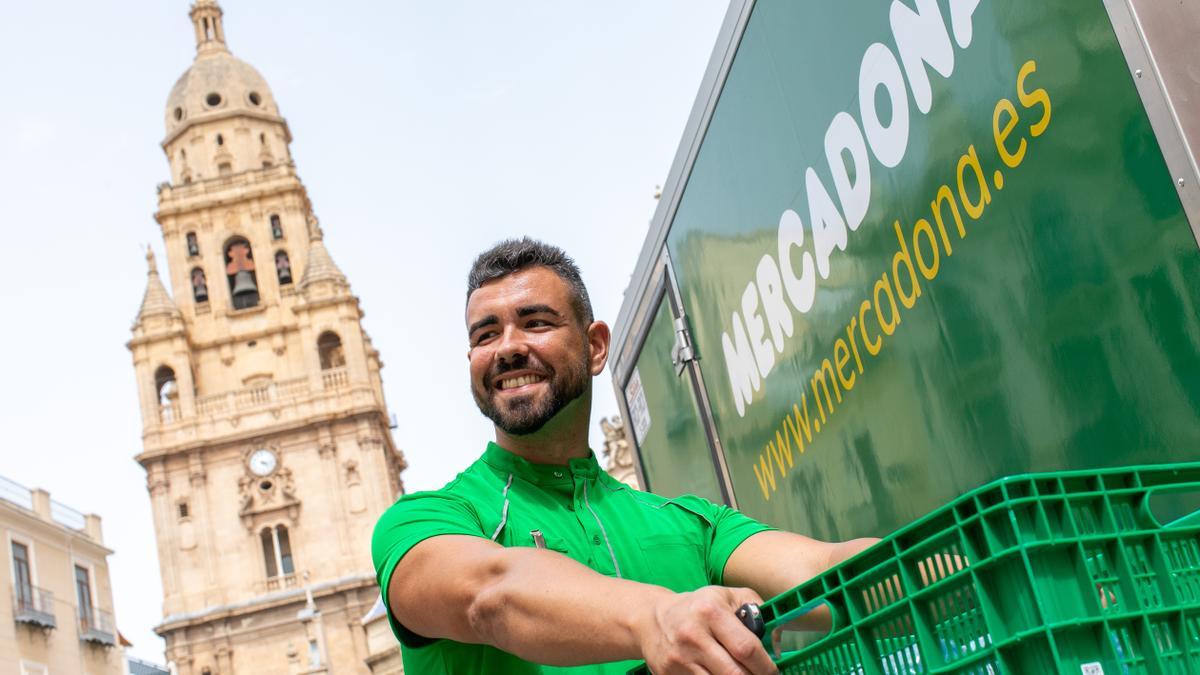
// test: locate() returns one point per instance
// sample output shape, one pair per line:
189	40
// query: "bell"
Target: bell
243	283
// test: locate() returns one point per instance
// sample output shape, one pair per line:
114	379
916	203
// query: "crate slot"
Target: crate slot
1183	562
956	620
1090	516
895	640
839	658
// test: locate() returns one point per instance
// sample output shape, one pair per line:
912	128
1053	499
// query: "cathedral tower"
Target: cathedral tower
265	431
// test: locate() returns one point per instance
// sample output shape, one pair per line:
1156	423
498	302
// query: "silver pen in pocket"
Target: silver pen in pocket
538	540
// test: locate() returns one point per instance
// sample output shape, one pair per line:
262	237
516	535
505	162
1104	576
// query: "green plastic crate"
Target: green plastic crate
1064	572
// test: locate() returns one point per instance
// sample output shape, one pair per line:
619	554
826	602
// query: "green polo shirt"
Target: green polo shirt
579	511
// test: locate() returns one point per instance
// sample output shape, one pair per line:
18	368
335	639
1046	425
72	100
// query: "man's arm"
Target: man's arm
773	562
544	607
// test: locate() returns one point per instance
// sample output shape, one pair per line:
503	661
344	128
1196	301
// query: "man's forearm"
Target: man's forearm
774	562
547	608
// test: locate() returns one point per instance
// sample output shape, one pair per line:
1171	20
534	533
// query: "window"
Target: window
285	550
193	246
224	169
276	227
183	509
268	545
83	595
283	267
199	285
31	668
277	551
239	270
22	575
329	348
314	654
220	140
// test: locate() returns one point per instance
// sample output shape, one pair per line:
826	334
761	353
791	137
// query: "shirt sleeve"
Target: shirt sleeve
728	528
410	521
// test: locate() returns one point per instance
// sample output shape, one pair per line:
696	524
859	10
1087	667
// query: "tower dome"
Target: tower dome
218	84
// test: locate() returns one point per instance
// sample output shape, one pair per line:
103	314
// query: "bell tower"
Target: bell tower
266	440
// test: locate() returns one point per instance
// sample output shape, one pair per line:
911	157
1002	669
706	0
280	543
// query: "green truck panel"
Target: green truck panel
924	245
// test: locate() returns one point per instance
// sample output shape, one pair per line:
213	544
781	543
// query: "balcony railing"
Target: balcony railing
97	626
335	378
249	399
281	582
33	605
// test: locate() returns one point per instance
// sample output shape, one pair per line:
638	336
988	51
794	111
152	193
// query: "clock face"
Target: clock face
262	462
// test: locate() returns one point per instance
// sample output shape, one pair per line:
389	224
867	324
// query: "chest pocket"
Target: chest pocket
674	560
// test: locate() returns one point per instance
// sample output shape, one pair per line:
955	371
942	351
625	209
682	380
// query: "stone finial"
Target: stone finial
207	16
319	265
156	301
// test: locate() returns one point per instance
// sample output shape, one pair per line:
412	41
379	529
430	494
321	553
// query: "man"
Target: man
534	555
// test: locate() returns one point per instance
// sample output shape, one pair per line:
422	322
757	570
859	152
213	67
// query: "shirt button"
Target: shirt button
558	474
595	540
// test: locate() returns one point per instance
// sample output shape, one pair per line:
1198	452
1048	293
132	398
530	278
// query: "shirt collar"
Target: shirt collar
502	460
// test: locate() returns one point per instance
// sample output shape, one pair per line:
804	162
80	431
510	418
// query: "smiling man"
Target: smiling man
534	560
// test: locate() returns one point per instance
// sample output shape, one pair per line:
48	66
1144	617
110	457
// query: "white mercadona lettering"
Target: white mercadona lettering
760	327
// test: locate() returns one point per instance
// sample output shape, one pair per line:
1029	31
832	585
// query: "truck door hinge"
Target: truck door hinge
682	352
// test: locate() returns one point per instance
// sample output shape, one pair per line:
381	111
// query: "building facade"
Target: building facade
266	439
60	597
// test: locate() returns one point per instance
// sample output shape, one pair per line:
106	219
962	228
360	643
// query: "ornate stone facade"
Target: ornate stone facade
266	435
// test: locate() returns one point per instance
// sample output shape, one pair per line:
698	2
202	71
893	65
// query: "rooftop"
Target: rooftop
38	502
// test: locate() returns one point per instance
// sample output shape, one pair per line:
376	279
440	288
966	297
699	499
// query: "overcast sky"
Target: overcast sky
424	131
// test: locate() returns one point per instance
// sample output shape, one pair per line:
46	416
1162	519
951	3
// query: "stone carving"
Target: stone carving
618	451
262	495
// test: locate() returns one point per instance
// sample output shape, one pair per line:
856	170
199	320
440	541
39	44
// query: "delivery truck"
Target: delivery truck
907	248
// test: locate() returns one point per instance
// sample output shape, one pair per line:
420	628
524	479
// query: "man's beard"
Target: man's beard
527	414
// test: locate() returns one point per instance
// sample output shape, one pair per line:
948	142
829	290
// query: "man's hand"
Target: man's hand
699	632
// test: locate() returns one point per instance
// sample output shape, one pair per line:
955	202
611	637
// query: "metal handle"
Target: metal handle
751	617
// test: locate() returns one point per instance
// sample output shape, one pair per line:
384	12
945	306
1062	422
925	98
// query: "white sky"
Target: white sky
425	131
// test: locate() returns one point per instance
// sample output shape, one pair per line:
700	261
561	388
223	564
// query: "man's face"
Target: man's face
530	356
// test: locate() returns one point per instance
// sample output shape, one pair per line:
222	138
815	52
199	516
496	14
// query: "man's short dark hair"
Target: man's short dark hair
514	255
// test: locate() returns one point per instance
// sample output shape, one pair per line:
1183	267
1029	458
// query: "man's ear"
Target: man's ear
599	336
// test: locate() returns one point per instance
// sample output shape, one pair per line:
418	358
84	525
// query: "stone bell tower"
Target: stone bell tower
266	439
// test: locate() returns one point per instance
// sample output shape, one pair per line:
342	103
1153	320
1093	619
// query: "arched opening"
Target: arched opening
220	139
276	226
164	384
193	245
283	267
329	347
239	270
167	392
199	285
277	551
